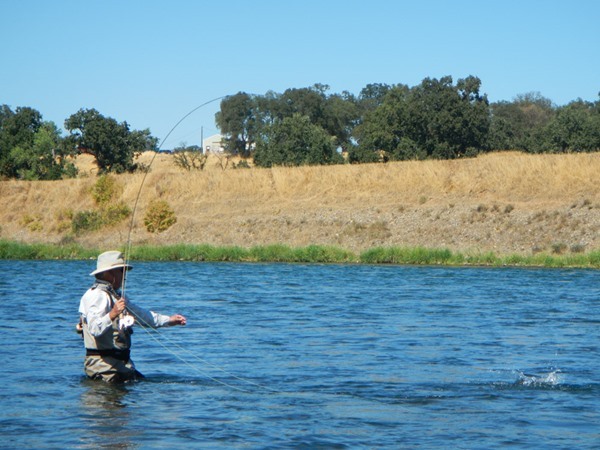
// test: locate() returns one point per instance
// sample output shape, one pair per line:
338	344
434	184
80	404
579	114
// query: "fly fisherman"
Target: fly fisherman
106	319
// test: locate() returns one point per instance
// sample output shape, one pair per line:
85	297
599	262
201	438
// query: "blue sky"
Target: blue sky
149	62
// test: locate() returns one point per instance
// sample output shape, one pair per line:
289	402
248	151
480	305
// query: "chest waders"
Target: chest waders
107	356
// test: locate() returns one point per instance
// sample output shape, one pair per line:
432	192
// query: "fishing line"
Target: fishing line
137	198
154	334
146	327
149	330
170	350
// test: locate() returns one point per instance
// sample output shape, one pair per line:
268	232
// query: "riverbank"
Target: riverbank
509	206
313	255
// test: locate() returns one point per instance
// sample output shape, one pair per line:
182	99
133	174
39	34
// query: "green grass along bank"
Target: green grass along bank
316	254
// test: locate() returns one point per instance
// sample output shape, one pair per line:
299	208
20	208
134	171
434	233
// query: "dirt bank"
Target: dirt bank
506	203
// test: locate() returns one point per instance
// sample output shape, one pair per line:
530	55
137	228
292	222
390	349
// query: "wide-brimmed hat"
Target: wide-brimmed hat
109	261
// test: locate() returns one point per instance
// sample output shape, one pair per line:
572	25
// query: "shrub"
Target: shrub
64	219
86	221
159	216
578	248
187	160
115	213
559	248
96	219
33	223
376	230
104	190
243	164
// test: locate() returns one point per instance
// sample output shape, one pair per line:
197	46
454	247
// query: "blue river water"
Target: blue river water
309	356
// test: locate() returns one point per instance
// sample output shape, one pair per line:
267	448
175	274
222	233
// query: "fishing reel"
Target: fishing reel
126	323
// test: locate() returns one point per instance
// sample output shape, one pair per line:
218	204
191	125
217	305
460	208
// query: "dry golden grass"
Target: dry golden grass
504	202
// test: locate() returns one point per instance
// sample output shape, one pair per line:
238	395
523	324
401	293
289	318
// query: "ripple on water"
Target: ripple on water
292	356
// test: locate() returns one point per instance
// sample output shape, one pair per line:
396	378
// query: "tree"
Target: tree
18	130
435	119
574	128
45	159
267	110
295	141
31	148
336	114
372	95
5	142
384	129
309	102
143	140
519	124
112	144
244	118
448	121
340	117
238	123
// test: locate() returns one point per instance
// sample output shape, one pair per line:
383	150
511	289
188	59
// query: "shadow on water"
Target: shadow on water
105	413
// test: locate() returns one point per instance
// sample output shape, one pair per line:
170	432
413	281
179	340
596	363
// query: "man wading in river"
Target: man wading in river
107	319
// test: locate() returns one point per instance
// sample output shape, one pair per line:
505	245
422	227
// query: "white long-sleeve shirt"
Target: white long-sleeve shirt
95	306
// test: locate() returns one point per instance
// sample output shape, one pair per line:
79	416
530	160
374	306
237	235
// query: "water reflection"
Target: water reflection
106	416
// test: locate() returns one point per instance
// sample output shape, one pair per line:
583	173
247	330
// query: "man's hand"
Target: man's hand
177	319
117	308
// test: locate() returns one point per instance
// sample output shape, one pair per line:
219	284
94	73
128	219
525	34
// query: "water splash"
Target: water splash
551	379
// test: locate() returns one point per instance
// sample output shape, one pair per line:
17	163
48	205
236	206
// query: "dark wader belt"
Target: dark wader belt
122	355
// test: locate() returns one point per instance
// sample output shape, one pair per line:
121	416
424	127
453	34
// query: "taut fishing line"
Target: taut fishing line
127	253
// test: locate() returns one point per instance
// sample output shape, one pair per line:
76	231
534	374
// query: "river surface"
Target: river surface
309	356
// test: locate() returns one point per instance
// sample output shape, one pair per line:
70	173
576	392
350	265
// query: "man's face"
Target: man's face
116	277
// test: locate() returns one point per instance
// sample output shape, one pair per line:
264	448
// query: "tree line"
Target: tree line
436	119
34	149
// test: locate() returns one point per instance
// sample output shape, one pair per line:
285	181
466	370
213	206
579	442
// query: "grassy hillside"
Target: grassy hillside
506	203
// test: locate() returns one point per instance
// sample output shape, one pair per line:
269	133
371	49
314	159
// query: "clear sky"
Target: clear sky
151	62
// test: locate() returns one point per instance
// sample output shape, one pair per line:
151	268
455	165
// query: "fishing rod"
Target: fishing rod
146	327
137	198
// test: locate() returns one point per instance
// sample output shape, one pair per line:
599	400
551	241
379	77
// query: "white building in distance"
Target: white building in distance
213	144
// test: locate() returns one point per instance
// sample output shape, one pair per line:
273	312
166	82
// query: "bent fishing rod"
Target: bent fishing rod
146	326
126	258
146	171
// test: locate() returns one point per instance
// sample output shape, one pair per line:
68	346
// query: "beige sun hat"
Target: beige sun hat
110	260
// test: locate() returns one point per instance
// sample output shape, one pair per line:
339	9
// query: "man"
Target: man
106	320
